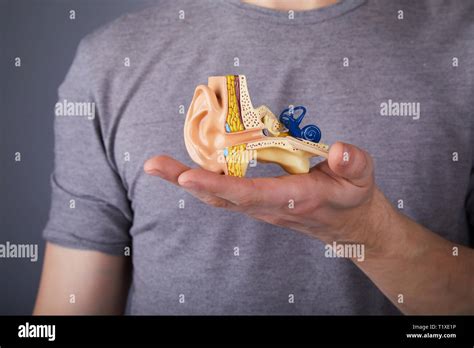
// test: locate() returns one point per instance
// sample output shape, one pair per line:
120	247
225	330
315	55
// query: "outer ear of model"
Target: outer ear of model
223	132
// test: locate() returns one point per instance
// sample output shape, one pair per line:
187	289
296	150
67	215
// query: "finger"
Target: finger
239	191
212	200
165	167
351	163
170	169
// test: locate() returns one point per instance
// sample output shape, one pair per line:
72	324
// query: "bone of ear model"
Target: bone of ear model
223	132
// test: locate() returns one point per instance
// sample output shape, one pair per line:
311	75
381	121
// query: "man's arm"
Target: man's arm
420	272
82	282
338	201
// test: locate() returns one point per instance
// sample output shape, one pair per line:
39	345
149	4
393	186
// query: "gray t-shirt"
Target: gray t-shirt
354	65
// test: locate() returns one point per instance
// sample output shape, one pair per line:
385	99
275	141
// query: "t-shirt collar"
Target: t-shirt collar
300	17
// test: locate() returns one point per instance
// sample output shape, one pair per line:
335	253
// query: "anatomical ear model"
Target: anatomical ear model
223	132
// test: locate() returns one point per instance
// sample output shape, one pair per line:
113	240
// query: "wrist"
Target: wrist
381	230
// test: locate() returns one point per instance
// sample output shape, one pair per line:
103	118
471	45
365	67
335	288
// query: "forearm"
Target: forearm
419	271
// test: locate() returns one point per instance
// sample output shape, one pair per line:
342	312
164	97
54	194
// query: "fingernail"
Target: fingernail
188	184
346	156
153	171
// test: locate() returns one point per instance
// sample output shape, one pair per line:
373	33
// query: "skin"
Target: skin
295	5
98	281
401	256
339	201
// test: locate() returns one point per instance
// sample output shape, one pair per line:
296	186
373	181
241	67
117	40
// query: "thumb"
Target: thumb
351	163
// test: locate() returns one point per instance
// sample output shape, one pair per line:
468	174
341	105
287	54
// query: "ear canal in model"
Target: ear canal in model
223	132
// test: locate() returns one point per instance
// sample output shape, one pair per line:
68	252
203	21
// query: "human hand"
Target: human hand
336	201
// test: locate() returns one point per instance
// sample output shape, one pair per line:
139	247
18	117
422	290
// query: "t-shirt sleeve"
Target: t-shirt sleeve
89	205
470	208
470	192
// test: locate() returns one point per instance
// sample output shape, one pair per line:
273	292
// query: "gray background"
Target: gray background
41	33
